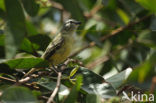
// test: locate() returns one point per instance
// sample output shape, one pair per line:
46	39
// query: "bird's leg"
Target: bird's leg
54	68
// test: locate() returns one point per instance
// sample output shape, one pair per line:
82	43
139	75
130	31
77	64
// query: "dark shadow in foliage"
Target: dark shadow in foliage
2	54
2	14
41	40
4	68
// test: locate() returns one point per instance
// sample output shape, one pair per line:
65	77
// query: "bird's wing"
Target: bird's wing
53	46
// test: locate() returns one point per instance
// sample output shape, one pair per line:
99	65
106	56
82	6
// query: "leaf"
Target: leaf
15	29
2	9
92	83
31	29
2	6
147	38
74	92
72	73
18	94
141	72
24	63
132	7
148	4
31	7
118	79
92	98
28	47
47	84
123	16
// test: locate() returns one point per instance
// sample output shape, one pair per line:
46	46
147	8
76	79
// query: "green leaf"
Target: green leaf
92	83
36	93
17	94
2	6
147	38
31	30
123	16
72	73
31	7
28	47
2	9
131	7
74	92
92	98
118	79
15	29
148	4
46	84
141	72
24	63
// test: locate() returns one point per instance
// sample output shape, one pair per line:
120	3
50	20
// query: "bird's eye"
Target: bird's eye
71	22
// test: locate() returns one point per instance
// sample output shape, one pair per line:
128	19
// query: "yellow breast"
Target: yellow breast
62	54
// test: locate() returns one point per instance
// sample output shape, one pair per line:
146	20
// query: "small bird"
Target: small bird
61	46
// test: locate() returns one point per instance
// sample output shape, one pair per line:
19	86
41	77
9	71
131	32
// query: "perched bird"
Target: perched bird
61	46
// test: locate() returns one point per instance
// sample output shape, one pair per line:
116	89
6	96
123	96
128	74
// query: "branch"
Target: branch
113	33
16	83
51	98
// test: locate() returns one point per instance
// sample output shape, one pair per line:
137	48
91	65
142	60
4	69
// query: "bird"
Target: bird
61	46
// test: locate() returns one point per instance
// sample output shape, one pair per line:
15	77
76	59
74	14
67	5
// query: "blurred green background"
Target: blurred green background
117	36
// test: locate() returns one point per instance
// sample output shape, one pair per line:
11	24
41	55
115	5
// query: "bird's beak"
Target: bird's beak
77	22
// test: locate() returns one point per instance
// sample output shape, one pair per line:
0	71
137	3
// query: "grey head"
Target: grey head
70	26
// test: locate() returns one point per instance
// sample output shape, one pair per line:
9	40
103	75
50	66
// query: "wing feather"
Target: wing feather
53	46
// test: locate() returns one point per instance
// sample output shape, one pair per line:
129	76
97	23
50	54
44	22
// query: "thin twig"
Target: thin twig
7	79
26	79
14	81
113	33
51	98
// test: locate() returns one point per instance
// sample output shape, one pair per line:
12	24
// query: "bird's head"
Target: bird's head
70	25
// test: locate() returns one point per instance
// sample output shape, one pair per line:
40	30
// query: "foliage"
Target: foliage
115	43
